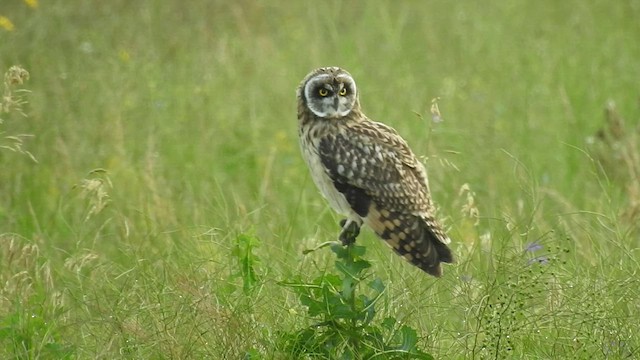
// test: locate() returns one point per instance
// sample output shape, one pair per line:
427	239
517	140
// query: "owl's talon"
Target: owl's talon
349	233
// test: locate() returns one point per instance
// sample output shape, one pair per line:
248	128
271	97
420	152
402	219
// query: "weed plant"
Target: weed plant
344	316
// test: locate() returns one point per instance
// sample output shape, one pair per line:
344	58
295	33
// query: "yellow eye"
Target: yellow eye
323	92
343	91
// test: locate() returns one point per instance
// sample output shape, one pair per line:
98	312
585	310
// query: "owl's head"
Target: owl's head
329	92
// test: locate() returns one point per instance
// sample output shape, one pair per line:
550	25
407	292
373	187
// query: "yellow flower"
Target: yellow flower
6	24
31	3
124	55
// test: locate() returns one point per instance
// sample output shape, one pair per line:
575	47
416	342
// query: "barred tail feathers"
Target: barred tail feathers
420	241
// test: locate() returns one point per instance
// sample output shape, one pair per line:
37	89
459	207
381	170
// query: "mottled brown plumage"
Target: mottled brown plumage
367	171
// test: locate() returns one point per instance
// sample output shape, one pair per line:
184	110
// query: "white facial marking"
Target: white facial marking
333	105
312	81
348	79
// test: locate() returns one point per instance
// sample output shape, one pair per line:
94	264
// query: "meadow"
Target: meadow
154	203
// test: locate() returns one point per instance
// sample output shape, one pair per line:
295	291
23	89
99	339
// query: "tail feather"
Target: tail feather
420	241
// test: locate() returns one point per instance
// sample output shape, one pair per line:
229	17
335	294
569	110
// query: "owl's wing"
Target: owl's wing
386	185
370	159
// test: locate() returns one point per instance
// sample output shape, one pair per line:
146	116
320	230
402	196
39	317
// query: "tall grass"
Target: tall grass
169	198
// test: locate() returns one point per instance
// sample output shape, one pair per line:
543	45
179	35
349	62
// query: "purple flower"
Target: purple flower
533	246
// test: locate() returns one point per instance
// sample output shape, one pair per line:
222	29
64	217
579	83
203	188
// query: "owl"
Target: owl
367	172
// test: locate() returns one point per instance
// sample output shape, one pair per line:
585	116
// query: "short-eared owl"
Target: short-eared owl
367	172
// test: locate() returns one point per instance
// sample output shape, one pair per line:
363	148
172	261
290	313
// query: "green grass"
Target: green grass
169	200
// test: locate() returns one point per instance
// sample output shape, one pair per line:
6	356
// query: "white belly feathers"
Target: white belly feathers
322	180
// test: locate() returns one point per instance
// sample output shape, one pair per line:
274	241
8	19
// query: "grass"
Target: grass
168	201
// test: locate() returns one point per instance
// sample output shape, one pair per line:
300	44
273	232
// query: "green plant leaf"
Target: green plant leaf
369	310
247	261
409	338
388	323
352	268
377	285
345	312
252	354
348	252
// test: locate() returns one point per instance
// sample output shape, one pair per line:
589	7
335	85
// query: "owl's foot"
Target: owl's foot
350	231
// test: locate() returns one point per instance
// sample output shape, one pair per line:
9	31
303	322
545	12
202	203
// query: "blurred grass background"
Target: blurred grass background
188	112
